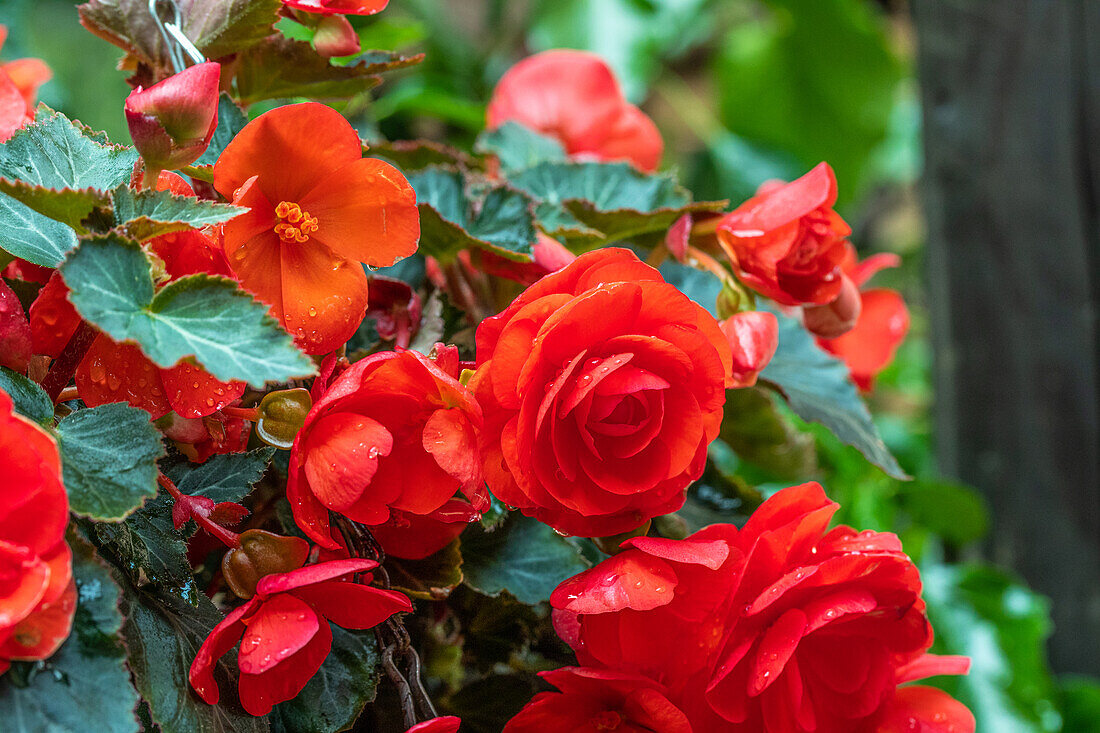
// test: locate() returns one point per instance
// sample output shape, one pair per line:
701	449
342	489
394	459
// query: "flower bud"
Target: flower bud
261	553
172	121
15	331
838	317
282	415
753	338
335	37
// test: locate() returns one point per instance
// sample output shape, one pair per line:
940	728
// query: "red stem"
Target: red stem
227	538
252	414
65	366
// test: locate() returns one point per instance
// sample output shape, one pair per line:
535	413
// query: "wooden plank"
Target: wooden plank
1011	94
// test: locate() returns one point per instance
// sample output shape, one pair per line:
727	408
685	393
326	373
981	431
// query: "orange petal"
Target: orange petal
324	297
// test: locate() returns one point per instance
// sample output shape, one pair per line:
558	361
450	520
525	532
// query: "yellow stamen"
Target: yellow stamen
294	225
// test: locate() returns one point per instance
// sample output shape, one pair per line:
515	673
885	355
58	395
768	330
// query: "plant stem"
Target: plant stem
223	535
65	366
252	414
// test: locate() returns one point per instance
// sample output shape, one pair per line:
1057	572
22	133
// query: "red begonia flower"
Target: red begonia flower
599	700
547	255
415	536
53	319
15	331
787	243
923	709
446	724
883	323
753	337
19	83
392	432
284	630
343	7
37	595
173	121
318	209
573	96
602	386
395	308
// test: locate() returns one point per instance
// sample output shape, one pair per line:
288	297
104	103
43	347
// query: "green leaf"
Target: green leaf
109	460
210	318
163	634
280	68
231	120
518	147
759	433
228	477
31	236
1002	626
955	512
68	205
86	680
1079	700
148	548
411	155
817	387
335	696
146	214
55	152
502	224
29	399
524	557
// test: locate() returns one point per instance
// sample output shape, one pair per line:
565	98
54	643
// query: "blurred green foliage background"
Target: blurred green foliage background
744	91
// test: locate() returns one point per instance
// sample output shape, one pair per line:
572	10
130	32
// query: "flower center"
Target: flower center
294	225
606	720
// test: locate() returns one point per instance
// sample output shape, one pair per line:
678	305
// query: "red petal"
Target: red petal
24	578
447	724
15	331
628	580
341	457
44	631
708	554
776	647
194	392
352	605
114	372
927	710
450	438
13	108
931	665
52	317
282	582
280	627
222	638
260	692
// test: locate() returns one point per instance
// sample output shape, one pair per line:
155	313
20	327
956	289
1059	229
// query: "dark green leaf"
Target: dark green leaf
147	214
817	387
524	557
35	238
85	685
411	155
1080	703
231	120
955	512
109	459
502	224
226	477
280	68
335	696
518	147
68	205
163	634
210	318
758	432
29	399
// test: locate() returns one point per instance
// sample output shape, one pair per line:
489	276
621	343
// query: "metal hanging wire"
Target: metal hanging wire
169	20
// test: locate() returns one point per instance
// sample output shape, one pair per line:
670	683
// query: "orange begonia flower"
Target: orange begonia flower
317	210
19	82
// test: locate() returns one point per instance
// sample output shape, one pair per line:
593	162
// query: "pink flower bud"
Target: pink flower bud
172	121
335	37
753	338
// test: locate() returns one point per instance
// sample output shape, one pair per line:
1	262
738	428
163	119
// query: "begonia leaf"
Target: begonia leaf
109	460
30	400
228	477
70	206
162	635
412	155
32	236
503	222
754	427
518	147
225	329
147	214
86	680
524	557
818	388
334	697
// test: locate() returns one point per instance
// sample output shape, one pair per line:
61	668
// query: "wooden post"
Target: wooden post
1011	95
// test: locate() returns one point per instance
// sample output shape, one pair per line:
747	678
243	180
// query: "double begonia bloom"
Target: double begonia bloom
599	700
173	121
753	337
602	386
393	432
573	96
416	536
317	209
786	242
780	627
37	592
284	630
342	7
883	323
19	83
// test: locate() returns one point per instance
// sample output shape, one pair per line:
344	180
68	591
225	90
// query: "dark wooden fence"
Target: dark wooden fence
1011	94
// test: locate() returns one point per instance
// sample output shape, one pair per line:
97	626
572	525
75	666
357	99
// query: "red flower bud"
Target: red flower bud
836	318
172	121
261	553
753	337
335	37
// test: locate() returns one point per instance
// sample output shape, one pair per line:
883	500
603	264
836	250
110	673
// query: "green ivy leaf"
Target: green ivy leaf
210	318
86	680
146	214
502	223
231	120
817	387
518	147
163	634
29	399
335	696
524	557
109	460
